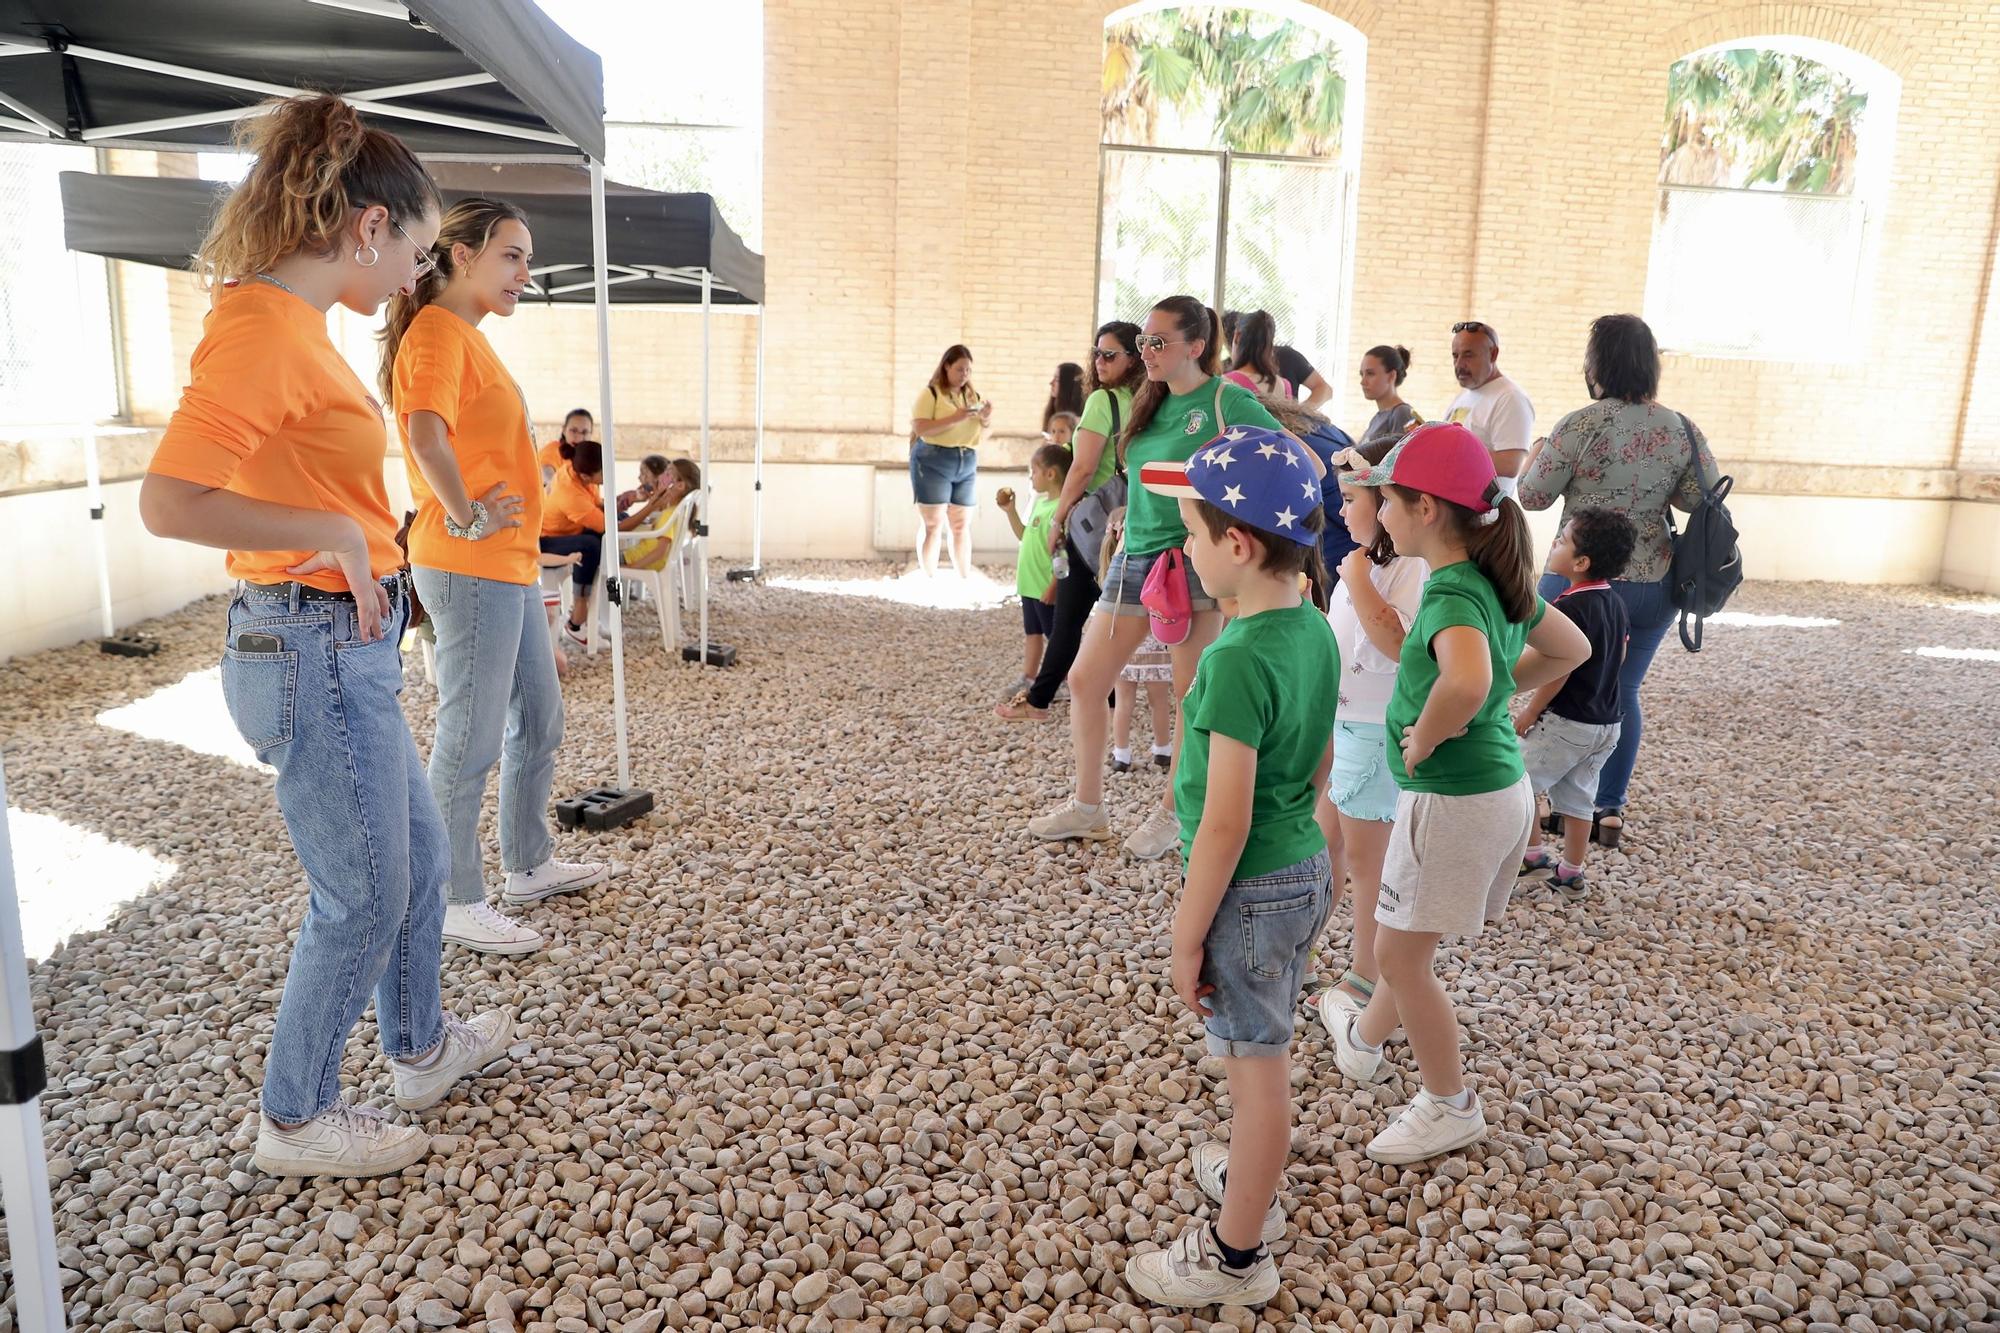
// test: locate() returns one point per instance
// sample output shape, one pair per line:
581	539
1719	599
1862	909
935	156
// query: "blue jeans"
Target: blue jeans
498	702
1650	614
589	545
1256	955
322	710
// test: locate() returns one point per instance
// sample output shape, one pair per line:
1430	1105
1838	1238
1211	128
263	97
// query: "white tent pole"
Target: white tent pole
609	563
24	1163
757	469
706	295
94	489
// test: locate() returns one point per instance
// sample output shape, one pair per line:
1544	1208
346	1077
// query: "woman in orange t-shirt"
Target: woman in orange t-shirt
275	454
578	426
573	523
476	564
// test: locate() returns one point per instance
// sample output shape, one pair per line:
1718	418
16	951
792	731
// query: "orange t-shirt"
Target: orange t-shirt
445	365
551	455
571	505
271	411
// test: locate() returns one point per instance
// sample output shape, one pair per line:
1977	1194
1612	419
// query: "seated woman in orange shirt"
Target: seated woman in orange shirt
573	523
275	454
578	426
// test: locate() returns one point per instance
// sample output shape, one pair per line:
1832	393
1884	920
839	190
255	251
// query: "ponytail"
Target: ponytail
1497	542
313	160
470	222
1196	323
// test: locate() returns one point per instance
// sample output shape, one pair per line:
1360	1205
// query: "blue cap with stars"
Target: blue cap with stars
1262	479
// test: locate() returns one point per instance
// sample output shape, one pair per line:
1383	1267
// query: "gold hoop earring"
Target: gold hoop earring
374	256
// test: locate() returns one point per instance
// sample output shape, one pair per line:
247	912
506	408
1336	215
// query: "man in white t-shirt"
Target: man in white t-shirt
1489	404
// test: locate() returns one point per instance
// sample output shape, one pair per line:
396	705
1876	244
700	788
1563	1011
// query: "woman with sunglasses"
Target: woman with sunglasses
275	455
1183	404
1113	373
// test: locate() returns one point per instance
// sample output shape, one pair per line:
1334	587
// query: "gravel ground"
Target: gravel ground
843	1049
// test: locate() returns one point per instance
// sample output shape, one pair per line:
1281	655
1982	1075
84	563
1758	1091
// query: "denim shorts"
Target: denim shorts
1563	758
1125	578
941	475
1360	785
1256	956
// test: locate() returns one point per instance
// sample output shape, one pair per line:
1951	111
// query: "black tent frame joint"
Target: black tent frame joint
23	1073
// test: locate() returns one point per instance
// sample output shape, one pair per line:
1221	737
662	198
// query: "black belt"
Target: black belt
305	592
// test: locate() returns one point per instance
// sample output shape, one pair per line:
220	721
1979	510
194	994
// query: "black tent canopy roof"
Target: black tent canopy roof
479	78
657	244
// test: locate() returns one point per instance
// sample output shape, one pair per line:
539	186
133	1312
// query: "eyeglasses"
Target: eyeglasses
1102	355
1153	342
425	263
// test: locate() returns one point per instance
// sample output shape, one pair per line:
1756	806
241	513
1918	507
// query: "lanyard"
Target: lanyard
1591	586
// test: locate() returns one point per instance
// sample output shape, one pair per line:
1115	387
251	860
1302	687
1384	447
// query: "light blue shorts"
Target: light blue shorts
1360	785
1563	759
1256	954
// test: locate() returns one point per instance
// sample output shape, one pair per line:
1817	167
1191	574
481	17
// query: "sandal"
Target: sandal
1607	835
1018	709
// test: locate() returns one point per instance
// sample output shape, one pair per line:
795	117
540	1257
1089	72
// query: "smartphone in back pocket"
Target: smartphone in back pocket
248	642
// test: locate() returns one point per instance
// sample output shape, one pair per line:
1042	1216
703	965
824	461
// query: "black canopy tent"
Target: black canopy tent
475	78
663	249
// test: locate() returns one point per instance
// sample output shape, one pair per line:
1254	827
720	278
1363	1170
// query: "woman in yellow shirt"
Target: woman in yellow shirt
275	454
945	428
465	427
573	523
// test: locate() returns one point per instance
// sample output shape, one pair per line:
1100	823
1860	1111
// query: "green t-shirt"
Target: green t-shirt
1271	681
1488	756
1097	417
1034	567
1184	423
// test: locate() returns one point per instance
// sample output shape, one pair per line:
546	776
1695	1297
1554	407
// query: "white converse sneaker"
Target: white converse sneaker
1189	1274
342	1140
1071	820
1211	1163
1153	839
1355	1060
478	927
468	1048
1427	1128
550	878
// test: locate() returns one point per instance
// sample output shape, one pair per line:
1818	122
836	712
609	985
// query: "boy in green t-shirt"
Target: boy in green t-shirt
1256	744
1034	567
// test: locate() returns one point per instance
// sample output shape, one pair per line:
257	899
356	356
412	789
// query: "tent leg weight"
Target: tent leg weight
129	645
603	808
719	654
744	575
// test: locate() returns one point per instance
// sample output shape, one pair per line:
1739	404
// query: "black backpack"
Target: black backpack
1706	567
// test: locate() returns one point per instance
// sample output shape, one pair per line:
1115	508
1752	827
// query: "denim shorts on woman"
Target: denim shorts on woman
1256	956
941	475
1360	785
1125	578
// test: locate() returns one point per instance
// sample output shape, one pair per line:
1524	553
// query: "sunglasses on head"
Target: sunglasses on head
1472	326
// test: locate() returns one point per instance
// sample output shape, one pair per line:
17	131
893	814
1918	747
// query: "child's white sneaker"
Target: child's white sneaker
1153	839
550	878
467	1048
1189	1274
1071	820
342	1140
1428	1127
1355	1060
1211	1166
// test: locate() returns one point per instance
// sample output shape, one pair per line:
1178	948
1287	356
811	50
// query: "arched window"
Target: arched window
1231	135
1773	174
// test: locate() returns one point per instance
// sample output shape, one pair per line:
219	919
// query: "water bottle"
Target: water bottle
1061	564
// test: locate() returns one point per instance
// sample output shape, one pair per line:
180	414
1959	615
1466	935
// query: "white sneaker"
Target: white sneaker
1211	1164
1189	1274
1071	820
1427	1128
576	638
1355	1060
550	878
468	1048
1153	839
342	1140
478	927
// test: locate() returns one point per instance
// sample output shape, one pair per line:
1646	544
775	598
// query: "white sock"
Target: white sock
1088	809
425	1061
1122	756
1461	1102
1163	751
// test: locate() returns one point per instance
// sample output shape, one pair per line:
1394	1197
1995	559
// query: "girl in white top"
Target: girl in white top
1370	610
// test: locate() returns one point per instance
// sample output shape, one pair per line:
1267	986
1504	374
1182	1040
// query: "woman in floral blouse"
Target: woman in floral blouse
1628	453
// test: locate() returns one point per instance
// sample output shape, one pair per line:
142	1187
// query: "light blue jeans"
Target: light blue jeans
321	708
498	702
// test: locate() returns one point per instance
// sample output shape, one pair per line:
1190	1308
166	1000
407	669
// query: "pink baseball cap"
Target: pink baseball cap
1441	458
